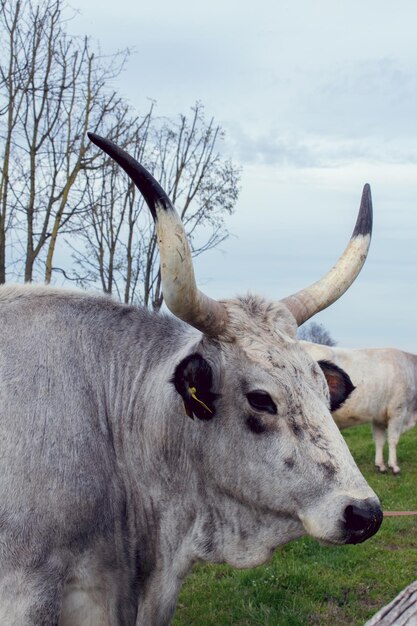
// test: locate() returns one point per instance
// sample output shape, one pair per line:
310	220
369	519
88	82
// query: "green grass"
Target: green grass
306	584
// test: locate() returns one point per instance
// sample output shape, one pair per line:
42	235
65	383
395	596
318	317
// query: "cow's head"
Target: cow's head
263	432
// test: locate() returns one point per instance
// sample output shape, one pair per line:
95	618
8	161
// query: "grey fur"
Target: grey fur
109	492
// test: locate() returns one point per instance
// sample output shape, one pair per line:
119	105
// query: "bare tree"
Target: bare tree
107	249
203	186
118	241
11	98
316	333
55	89
53	182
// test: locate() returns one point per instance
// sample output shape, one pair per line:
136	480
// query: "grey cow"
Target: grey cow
109	491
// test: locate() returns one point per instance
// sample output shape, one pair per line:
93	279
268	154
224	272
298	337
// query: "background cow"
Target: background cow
385	393
109	492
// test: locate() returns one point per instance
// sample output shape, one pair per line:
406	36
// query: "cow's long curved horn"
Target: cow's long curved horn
321	294
178	282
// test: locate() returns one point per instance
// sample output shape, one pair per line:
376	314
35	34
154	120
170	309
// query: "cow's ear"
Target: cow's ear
193	379
340	385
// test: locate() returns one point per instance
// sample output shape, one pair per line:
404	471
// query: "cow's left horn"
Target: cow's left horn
178	282
309	301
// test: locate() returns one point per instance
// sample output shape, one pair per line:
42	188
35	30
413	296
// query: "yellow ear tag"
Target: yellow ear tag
192	391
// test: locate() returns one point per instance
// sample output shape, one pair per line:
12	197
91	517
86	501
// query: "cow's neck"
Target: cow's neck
186	521
175	519
172	525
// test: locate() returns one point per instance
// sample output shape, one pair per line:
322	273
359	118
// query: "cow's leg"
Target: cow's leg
97	596
81	608
158	601
30	597
26	600
394	432
379	434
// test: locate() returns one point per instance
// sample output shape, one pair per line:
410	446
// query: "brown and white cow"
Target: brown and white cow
385	393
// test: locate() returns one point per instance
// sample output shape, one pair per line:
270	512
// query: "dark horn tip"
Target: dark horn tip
94	138
364	222
108	147
144	181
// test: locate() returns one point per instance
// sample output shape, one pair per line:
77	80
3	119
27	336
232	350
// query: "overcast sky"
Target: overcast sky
316	99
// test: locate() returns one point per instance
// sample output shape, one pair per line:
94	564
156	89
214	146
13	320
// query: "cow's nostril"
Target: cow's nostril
357	518
362	520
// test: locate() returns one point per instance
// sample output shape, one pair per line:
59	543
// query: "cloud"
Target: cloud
316	98
270	148
319	151
368	97
362	110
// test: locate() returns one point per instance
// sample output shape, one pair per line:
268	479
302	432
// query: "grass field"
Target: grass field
306	584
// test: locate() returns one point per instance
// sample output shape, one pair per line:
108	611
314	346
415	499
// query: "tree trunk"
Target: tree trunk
2	251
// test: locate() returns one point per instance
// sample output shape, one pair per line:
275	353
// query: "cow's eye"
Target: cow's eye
262	401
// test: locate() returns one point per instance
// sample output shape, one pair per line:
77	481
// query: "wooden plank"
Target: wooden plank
402	611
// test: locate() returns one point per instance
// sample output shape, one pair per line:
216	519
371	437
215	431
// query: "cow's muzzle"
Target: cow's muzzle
362	518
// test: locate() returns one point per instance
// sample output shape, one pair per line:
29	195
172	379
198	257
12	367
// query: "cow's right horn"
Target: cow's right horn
321	294
178	282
